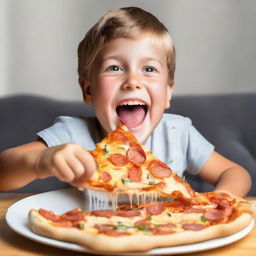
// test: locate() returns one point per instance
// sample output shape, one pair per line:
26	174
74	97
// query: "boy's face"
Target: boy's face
130	85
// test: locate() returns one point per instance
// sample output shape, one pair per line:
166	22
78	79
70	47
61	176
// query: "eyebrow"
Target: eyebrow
118	57
153	59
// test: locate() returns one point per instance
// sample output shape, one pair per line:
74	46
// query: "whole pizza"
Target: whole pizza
166	212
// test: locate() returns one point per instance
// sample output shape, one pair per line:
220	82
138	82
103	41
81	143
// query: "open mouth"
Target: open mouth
132	113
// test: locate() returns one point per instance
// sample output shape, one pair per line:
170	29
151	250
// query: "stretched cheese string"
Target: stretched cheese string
99	200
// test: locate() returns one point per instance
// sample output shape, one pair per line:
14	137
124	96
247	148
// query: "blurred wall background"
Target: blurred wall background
215	42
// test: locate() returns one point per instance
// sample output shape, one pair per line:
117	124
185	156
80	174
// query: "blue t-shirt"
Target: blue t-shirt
174	141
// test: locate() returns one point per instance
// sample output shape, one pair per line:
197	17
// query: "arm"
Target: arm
23	164
17	165
226	175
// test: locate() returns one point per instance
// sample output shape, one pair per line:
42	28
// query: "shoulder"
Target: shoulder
68	129
79	127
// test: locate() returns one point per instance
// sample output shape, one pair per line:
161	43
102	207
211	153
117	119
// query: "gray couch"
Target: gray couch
228	121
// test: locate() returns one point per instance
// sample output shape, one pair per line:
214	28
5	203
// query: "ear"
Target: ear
168	95
86	89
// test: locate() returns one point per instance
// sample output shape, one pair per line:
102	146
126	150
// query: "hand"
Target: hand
68	162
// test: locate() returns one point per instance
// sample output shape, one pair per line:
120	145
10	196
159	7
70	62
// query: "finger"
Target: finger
64	172
76	166
77	184
88	162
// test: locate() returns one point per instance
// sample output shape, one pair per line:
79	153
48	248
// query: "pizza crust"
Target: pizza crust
137	242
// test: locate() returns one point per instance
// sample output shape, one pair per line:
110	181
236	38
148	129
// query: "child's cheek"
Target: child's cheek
158	88
105	89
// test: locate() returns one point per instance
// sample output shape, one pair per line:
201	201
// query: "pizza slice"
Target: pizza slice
146	226
125	166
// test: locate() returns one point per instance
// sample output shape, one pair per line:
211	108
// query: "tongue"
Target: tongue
131	116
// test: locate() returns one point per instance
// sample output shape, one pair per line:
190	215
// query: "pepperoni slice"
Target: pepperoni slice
110	230
118	159
163	229
142	222
155	208
223	204
213	215
104	227
104	213
176	205
193	226
105	176
221	199
129	213
55	218
136	154
74	215
135	173
159	169
227	211
193	210
74	211
49	215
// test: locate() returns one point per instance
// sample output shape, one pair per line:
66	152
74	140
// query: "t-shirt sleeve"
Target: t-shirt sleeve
56	134
67	129
198	152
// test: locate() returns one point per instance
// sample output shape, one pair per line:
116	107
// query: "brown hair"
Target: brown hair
129	22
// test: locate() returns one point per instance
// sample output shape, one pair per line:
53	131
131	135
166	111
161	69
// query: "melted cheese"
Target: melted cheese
176	217
99	200
172	185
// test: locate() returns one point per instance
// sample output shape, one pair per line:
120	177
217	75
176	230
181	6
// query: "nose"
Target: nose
132	82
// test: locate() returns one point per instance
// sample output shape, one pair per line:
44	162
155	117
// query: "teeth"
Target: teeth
132	102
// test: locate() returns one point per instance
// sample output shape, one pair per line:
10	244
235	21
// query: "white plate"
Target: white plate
63	200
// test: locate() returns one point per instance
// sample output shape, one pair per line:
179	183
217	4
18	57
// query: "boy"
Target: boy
126	70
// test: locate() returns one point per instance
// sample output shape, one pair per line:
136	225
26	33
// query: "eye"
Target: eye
114	68
149	69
